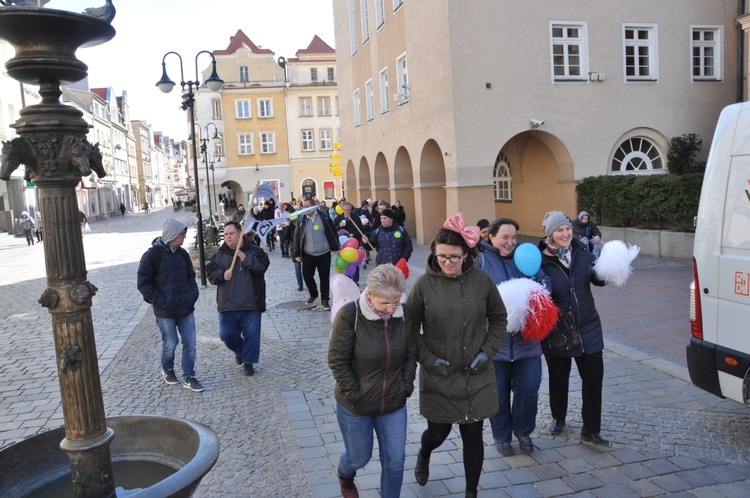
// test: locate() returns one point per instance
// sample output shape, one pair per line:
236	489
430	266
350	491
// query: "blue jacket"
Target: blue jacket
571	289
247	289
502	269
392	244
167	280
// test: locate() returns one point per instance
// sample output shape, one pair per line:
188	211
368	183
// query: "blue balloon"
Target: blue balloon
528	259
342	239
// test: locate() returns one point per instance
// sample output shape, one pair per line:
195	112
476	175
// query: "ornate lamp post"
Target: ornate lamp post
204	152
188	103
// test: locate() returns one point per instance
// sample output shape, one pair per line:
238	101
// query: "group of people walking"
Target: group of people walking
453	324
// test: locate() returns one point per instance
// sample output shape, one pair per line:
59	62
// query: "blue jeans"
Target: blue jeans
169	340
357	431
240	331
522	377
298	272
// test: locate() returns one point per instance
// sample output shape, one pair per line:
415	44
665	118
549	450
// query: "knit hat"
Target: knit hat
389	213
172	228
554	220
582	214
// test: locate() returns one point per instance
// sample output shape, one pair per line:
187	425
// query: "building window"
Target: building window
267	142
324	106
397	4
352	29
325	140
402	77
265	108
305	106
641	61
379	13
307	140
365	21
216	109
246	144
503	190
357	109
705	45
637	155
385	96
243	109
313	74
244	73
369	101
569	51
331	74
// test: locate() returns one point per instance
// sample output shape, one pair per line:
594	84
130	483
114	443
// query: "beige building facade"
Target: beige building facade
500	108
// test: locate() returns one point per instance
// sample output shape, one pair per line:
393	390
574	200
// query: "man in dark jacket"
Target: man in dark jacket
240	294
314	240
391	240
166	279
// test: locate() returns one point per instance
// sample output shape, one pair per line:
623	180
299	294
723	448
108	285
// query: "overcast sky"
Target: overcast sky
147	29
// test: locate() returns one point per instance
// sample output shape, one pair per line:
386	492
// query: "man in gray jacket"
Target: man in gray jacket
240	294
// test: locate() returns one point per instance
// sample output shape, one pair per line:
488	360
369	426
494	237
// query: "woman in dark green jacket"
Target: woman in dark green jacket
373	357
463	320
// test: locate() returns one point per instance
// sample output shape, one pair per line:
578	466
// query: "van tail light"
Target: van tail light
696	317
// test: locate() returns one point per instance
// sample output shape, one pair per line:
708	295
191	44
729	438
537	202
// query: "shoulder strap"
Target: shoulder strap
356	314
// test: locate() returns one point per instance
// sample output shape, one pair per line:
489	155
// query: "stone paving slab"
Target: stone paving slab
278	430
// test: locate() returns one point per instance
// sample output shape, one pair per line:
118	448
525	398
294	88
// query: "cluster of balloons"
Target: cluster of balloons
350	255
528	259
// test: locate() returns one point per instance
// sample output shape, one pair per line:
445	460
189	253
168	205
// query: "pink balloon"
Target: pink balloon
352	242
361	255
350	270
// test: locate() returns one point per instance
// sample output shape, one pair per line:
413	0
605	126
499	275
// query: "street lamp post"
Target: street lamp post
188	103
204	151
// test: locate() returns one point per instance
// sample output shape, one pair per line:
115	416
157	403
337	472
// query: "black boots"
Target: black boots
422	469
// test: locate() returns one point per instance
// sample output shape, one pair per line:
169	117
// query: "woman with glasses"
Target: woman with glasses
462	320
373	357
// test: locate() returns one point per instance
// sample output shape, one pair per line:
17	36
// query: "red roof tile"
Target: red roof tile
238	41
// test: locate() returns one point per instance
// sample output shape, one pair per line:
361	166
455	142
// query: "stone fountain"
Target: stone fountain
52	146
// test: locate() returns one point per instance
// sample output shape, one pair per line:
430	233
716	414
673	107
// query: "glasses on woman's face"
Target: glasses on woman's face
442	258
383	305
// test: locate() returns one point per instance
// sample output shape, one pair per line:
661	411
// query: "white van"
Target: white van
718	356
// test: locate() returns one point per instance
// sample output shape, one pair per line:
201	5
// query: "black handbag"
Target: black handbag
564	338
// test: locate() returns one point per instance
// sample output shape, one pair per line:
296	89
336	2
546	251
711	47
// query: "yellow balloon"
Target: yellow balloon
339	209
349	254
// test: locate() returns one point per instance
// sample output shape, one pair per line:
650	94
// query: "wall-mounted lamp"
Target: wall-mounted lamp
256	167
447	154
536	123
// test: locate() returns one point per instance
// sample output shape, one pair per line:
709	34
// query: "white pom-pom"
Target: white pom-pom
515	293
613	265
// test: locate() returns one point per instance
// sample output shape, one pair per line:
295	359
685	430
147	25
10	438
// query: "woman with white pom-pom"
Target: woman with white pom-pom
518	364
569	265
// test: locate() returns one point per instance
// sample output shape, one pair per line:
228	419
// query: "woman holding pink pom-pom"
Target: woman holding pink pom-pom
569	265
518	364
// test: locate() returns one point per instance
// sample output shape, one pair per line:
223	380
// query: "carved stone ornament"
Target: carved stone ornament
49	299
71	359
82	292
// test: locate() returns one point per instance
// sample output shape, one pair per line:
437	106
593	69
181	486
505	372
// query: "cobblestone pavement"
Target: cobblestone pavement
278	430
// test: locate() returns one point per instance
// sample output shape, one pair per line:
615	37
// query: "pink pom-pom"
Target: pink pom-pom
541	318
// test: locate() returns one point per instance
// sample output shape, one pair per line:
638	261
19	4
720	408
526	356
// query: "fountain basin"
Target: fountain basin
190	448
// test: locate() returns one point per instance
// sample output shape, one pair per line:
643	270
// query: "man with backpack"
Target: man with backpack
166	278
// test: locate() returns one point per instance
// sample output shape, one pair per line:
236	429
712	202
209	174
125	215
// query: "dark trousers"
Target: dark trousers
591	370
471	436
323	264
29	236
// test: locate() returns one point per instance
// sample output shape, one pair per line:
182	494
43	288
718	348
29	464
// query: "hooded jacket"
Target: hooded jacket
167	281
571	289
460	317
502	269
373	361
392	243
247	289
